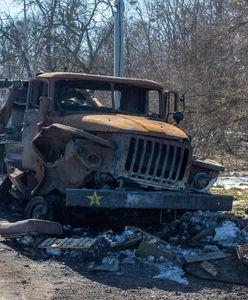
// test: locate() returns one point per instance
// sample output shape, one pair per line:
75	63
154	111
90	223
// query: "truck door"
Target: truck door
37	89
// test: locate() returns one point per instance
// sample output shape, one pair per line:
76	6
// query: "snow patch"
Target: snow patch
118	238
169	271
54	252
211	248
226	234
109	259
233	182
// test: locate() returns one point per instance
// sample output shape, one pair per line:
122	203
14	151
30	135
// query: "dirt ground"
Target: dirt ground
24	275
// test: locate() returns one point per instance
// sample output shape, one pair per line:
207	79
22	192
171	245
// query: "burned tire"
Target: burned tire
39	208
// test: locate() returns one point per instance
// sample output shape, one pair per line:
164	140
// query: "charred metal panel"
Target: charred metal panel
45	142
14	154
69	157
30	130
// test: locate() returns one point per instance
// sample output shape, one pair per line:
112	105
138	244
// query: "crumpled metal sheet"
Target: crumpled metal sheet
45	140
30	227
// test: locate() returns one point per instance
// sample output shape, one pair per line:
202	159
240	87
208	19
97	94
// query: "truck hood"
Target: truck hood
123	123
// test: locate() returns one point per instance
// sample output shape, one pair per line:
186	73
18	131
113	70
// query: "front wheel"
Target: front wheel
39	208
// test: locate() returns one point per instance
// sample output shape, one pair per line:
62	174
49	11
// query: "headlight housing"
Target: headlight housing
202	182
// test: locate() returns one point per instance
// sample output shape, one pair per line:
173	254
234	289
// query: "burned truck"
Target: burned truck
104	142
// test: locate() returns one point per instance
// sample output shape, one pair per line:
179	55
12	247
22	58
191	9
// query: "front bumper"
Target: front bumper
147	200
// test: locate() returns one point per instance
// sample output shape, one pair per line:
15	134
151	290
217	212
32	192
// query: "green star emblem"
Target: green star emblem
94	199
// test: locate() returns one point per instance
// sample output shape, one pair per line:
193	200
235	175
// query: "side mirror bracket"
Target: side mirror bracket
182	100
172	102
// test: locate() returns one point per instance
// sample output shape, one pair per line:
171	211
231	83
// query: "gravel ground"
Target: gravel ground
25	276
22	277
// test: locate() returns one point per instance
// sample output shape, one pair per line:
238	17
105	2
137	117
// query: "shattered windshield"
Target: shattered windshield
83	94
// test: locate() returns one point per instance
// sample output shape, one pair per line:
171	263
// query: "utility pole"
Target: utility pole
25	40
25	16
118	44
118	38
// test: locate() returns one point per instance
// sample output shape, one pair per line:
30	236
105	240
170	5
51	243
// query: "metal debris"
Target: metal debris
245	229
109	263
204	233
104	251
210	268
242	252
146	249
125	240
107	241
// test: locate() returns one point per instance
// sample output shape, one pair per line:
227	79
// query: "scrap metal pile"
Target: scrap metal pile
210	245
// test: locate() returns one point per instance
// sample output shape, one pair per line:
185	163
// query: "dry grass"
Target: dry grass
240	198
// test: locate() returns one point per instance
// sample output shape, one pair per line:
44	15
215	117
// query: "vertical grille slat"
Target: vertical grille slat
131	154
138	156
161	160
173	163
165	163
142	157
150	159
134	154
147	157
157	163
179	165
157	160
184	164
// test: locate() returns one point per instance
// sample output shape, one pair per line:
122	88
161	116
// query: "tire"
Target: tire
39	208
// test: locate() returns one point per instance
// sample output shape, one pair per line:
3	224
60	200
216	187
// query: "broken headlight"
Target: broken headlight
202	182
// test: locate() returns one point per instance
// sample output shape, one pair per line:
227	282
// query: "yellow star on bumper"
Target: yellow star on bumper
94	199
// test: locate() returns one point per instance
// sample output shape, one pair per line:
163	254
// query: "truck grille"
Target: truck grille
154	163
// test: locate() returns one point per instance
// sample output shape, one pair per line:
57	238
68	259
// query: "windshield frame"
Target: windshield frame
112	86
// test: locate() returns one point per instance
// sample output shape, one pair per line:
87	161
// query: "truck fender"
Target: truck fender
51	140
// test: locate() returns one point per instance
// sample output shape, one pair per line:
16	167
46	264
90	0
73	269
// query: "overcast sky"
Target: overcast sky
9	7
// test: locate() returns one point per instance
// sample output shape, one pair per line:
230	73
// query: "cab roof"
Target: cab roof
102	78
